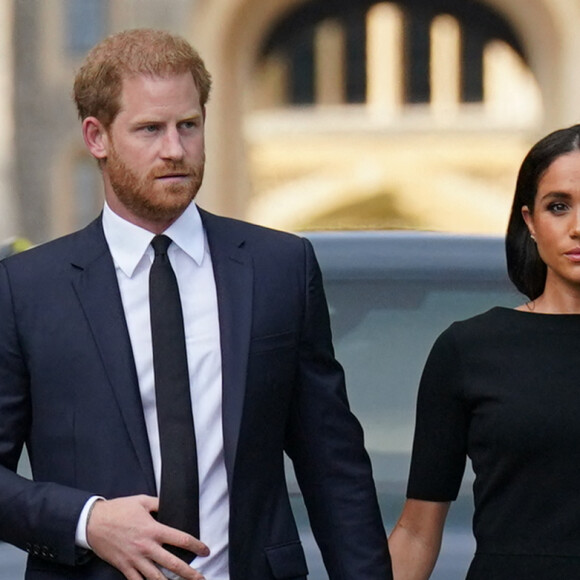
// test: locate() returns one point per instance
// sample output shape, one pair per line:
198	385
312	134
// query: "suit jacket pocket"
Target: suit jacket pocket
273	342
287	561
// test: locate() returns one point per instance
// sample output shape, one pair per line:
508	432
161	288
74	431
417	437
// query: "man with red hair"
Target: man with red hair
81	357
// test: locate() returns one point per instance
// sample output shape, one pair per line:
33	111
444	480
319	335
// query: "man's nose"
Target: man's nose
171	145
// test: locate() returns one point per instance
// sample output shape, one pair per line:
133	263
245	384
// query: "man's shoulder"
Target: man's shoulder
248	232
61	249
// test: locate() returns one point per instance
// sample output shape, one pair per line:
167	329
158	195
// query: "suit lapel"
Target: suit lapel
234	278
95	282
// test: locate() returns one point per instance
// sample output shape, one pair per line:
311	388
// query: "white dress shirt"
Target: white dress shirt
191	261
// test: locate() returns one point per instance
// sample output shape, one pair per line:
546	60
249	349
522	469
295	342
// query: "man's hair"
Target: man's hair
143	51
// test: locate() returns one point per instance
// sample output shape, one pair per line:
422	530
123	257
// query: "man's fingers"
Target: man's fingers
168	561
151	571
149	502
173	566
178	569
185	541
123	532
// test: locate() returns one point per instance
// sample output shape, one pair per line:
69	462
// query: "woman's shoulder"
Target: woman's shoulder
500	320
490	325
494	318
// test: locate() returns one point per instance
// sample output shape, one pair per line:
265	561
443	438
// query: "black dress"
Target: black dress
504	389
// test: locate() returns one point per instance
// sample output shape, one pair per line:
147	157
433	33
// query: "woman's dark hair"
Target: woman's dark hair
525	267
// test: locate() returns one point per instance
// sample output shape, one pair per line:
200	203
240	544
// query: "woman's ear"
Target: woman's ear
528	218
96	138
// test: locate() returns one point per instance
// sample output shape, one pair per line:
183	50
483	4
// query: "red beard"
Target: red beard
148	197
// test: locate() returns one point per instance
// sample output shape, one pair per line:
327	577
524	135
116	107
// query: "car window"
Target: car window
382	334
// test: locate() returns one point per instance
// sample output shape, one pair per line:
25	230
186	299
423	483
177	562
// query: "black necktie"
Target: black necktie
179	490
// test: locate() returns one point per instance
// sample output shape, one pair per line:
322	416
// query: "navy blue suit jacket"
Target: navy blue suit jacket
68	390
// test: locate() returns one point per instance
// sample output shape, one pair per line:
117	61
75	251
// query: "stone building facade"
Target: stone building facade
296	77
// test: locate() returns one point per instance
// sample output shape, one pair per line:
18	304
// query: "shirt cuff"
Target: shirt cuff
81	533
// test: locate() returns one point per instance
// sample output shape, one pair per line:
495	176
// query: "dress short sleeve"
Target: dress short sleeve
440	441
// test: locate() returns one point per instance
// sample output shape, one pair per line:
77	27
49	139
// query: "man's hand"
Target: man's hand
124	533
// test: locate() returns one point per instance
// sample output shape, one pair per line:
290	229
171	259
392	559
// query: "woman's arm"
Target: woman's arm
416	539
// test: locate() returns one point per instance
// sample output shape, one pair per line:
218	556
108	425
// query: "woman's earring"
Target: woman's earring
533	237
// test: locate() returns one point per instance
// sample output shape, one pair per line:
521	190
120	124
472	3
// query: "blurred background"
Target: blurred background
325	114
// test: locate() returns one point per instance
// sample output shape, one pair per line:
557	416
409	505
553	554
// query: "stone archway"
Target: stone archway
228	34
548	31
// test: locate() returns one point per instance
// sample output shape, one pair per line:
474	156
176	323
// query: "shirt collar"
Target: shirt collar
128	243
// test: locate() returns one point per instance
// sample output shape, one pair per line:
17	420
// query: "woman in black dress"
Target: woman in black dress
503	388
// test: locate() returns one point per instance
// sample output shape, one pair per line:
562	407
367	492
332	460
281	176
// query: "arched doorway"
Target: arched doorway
245	32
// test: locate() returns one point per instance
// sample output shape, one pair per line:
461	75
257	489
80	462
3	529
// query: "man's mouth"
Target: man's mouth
170	176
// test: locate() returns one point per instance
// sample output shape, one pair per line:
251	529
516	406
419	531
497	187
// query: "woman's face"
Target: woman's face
555	220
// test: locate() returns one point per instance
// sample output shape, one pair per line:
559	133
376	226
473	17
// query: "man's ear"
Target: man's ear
96	138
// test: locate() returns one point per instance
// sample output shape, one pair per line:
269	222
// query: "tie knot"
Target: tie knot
160	244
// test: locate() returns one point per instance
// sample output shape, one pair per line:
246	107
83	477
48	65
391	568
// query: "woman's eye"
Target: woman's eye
558	207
